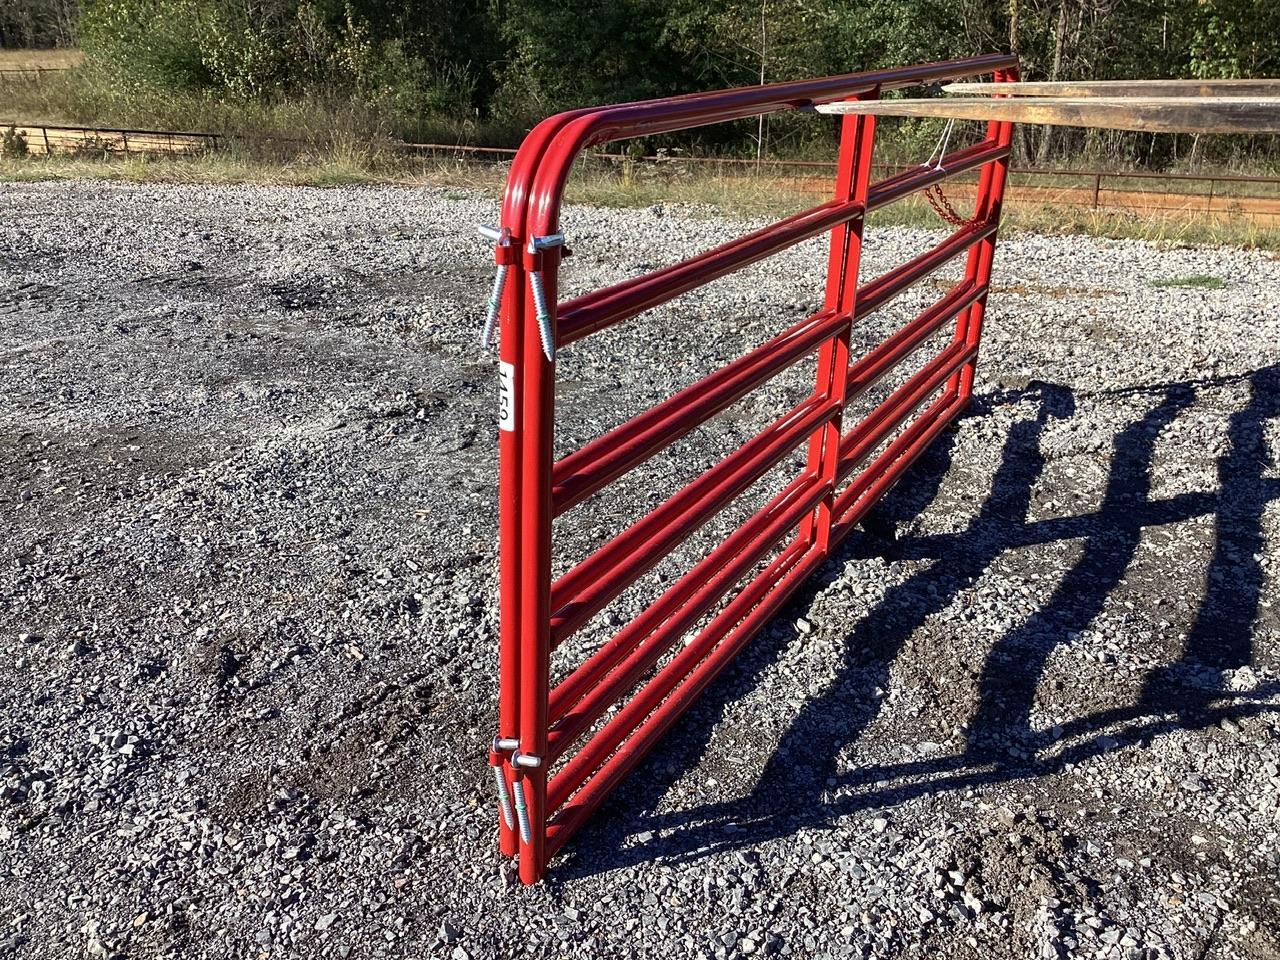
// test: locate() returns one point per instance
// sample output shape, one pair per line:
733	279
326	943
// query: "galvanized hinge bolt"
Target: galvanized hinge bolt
504	254
522	761
545	330
500	747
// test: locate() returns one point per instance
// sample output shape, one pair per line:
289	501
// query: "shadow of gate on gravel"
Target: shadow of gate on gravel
1001	746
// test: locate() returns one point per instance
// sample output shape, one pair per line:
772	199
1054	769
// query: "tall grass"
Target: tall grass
75	97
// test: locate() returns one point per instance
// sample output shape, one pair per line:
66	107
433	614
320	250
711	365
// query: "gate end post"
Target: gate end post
988	205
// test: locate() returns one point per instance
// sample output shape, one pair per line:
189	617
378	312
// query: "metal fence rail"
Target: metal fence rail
68	138
1233	195
555	752
29	73
1138	191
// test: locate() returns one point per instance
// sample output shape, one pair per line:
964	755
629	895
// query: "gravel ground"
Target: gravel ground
247	606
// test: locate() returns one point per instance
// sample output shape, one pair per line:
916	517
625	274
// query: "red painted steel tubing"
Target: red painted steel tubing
690	598
518	649
600	309
537	405
603	308
576	685
883	358
511	453
617	123
648	118
844	259
953	164
511	446
697	665
862	376
899	405
865	491
991	200
885	287
886	471
586	589
531	209
591	467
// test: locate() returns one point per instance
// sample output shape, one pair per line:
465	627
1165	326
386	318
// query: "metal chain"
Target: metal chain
943	208
937	199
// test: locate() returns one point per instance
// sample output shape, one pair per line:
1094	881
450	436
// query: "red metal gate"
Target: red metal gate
555	787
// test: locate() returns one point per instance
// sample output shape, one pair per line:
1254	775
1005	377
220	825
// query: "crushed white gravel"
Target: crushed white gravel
247	604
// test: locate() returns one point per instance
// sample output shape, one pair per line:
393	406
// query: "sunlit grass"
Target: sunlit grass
350	160
40	59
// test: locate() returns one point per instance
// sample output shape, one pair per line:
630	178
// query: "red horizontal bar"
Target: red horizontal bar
856	500
655	631
604	307
675	688
953	164
863	375
667	116
863	439
585	471
675	696
885	287
877	362
585	590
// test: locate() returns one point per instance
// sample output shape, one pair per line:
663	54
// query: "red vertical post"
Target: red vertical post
987	206
510	453
853	182
537	401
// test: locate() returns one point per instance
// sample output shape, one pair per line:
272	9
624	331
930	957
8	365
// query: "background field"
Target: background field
44	59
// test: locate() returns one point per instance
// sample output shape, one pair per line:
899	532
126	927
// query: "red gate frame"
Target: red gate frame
538	725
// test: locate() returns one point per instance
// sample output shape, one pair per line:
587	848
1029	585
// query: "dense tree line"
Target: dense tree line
515	60
38	23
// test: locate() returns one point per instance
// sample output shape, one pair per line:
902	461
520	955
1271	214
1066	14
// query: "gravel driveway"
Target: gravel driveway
247	605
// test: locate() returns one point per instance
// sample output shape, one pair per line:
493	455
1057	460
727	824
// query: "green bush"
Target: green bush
13	143
146	43
144	53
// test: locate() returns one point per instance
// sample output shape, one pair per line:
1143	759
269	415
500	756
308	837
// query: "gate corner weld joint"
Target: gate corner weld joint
564	748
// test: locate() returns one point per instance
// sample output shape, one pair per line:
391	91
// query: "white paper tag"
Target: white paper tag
506	396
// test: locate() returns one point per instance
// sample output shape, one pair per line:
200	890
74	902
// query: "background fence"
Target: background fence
48	139
1223	196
